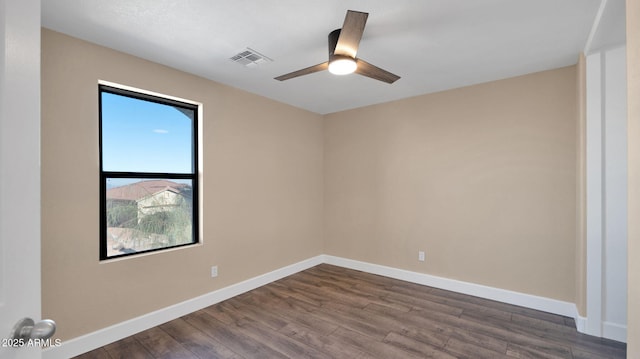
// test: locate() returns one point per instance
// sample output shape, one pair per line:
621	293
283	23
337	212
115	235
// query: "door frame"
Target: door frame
20	278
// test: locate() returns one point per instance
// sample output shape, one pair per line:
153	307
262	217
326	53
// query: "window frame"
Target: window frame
143	95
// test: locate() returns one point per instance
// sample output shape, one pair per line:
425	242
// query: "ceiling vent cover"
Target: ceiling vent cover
250	58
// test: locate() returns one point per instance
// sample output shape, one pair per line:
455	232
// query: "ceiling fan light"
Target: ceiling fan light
342	66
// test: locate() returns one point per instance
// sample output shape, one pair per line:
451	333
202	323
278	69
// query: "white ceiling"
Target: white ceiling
433	45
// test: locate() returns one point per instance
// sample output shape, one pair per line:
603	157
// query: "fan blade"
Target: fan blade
305	71
374	72
351	33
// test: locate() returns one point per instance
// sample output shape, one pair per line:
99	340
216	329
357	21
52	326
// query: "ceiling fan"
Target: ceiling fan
343	46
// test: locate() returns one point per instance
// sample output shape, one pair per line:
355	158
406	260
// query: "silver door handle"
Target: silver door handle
26	328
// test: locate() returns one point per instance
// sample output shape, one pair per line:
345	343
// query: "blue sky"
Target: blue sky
143	136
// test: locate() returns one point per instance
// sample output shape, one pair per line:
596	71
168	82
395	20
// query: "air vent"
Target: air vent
250	58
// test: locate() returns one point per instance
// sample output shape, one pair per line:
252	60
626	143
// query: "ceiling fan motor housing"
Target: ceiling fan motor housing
339	64
333	40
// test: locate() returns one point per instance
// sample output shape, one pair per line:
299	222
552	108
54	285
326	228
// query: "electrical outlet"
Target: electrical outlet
421	256
214	271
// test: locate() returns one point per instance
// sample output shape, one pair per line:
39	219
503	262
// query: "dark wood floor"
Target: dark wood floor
332	312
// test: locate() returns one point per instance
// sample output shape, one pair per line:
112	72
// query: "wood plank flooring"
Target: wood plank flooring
333	312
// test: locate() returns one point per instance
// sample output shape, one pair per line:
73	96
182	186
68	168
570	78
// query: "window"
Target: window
148	172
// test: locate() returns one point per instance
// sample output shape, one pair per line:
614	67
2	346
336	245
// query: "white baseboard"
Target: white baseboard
614	331
608	330
581	323
91	341
122	330
506	296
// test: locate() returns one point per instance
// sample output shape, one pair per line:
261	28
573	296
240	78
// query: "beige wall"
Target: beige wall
263	190
482	178
633	98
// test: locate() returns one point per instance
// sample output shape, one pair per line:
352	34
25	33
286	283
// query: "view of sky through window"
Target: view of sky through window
144	136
